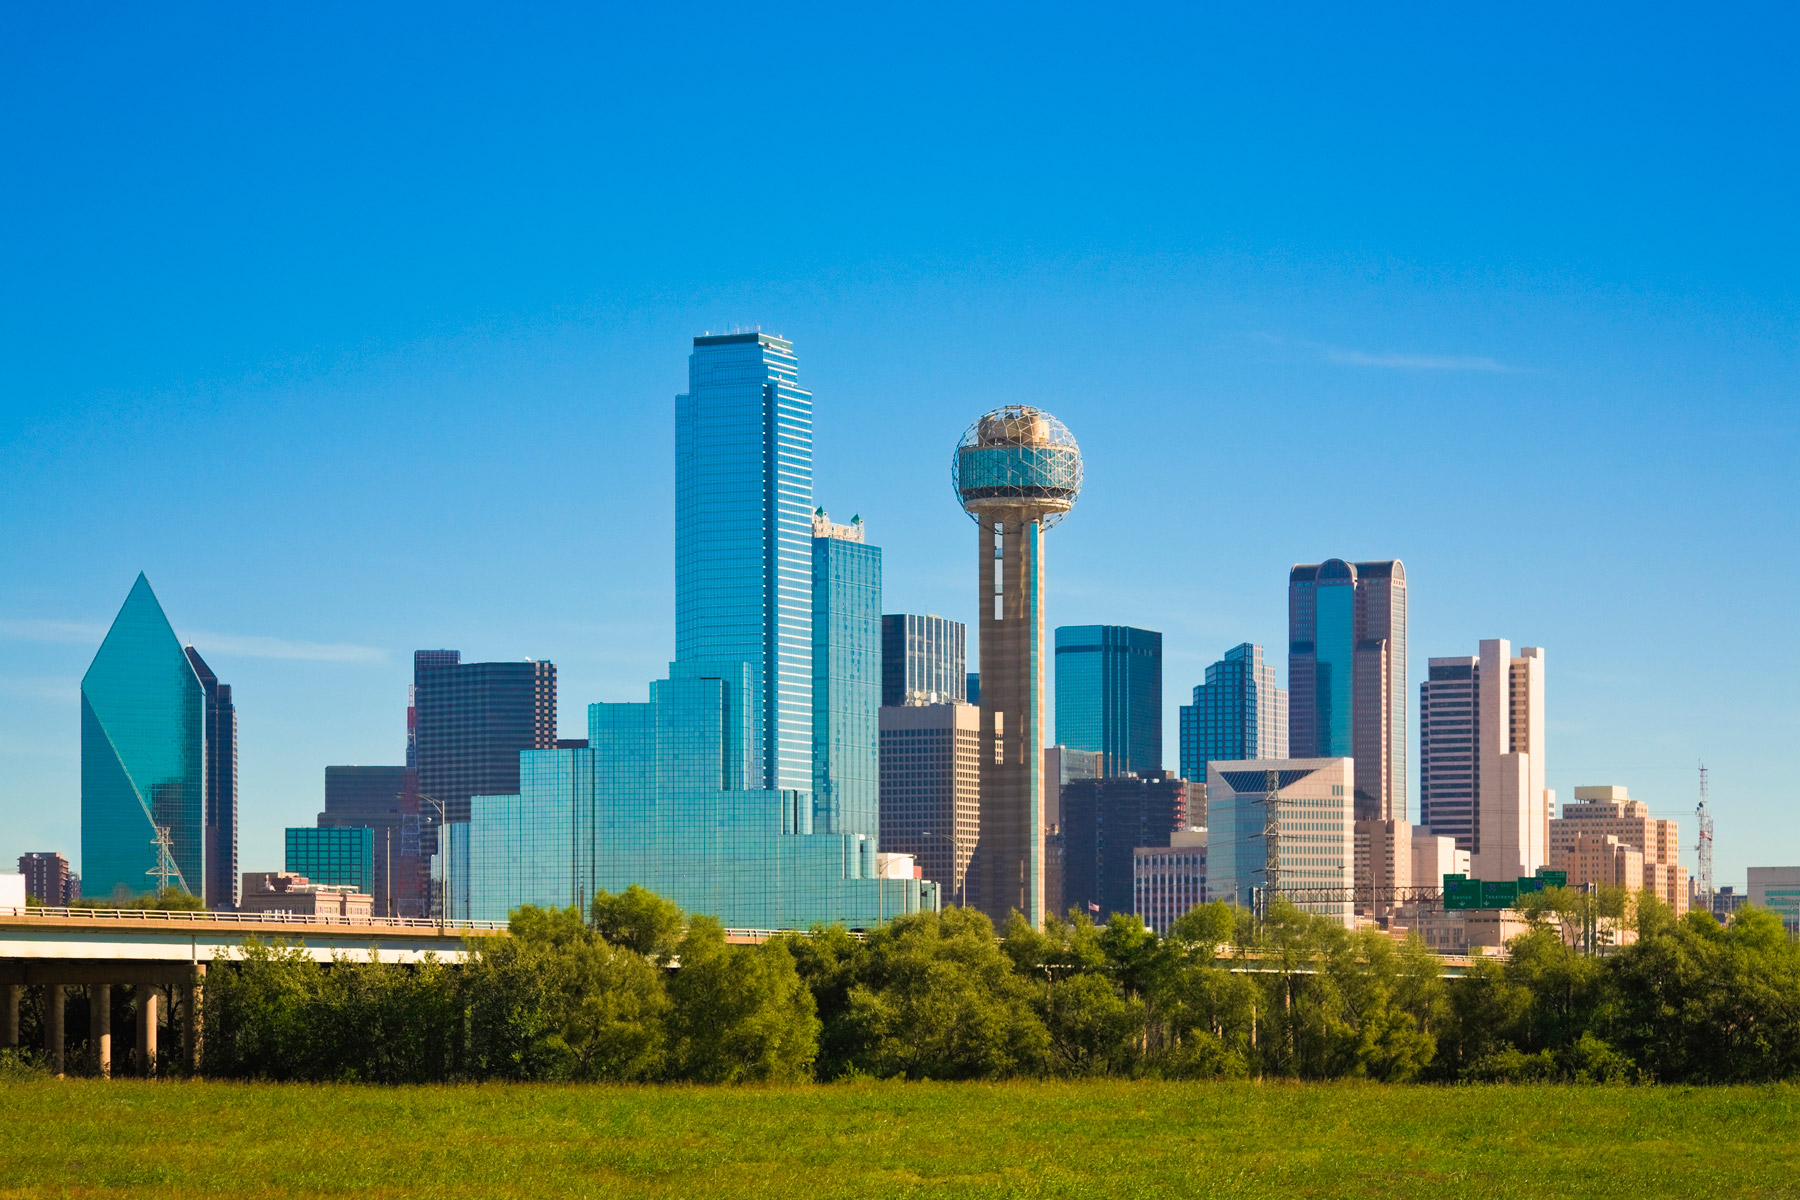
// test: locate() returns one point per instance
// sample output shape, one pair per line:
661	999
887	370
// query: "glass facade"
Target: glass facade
1237	713
472	719
1315	831
704	794
1450	751
1347	675
143	755
1109	695
344	856
846	688
222	881
1104	822
924	660
743	539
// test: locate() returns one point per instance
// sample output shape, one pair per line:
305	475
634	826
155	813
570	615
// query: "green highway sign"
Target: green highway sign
1553	878
1499	893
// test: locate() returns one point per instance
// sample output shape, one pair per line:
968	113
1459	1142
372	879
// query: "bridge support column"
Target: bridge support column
146	1037
9	1016
53	1028
100	1026
193	1001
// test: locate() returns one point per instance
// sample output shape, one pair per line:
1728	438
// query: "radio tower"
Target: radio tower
1703	880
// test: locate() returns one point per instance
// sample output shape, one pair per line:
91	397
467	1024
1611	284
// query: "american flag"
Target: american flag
1092	907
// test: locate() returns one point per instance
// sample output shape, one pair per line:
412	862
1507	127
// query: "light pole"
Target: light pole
443	848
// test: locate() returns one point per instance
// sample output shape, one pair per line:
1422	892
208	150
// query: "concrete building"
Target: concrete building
1017	472
1237	713
283	892
1601	812
1481	750
1313	857
924	660
1347	675
47	876
1104	821
931	789
1168	881
1435	856
1384	865
1109	695
1777	889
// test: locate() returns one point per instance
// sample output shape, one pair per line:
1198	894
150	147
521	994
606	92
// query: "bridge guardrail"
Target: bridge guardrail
257	918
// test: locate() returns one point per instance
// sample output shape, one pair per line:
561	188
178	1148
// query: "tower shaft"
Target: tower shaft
1009	868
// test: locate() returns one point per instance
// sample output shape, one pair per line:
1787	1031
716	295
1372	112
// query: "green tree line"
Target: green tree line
638	991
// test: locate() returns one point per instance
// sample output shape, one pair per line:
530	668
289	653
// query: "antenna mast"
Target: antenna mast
1703	847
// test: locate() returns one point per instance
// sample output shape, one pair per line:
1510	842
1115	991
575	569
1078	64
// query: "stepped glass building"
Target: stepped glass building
158	753
705	793
1109	696
1017	472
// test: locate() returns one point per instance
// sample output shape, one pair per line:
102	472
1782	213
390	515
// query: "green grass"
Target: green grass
86	1138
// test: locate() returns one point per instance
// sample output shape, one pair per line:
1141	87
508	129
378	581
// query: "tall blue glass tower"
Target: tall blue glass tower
1109	695
746	787
847	667
143	755
1237	713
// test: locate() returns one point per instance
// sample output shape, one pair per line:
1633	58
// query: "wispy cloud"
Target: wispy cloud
225	645
234	645
1415	362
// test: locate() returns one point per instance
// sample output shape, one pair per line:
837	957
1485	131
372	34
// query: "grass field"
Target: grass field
79	1138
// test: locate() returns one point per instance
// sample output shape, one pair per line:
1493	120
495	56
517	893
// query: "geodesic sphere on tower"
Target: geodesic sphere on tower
1017	457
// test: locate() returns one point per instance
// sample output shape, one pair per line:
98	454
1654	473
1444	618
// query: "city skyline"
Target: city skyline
337	423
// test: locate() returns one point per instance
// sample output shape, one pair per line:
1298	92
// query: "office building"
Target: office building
1168	881
1063	766
1310	858
1104	822
1482	755
972	688
704	793
1347	675
221	788
1018	473
931	790
343	857
47	876
1725	901
143	757
1435	856
1109	695
1778	890
846	680
923	660
472	721
375	798
1237	713
288	894
1599	813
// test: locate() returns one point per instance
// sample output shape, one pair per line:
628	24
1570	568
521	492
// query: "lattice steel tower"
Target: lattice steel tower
1017	472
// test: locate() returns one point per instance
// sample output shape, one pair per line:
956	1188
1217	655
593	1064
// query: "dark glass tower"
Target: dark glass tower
473	719
1103	822
143	756
222	881
924	660
1347	675
1109	695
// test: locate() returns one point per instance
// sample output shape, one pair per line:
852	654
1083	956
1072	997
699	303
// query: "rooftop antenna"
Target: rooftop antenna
1703	847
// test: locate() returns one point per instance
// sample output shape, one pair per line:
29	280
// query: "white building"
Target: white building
1777	888
1167	881
1314	831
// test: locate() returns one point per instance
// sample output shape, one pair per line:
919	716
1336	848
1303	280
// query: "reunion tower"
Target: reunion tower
1017	472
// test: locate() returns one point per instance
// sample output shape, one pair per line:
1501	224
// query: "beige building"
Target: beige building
285	892
1578	837
1169	880
931	790
1315	839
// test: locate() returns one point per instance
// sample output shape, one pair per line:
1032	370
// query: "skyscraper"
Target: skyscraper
1311	856
221	789
1104	821
48	878
931	789
376	799
846	684
923	660
1109	695
1482	755
1017	472
1347	675
704	794
1237	713
473	719
143	756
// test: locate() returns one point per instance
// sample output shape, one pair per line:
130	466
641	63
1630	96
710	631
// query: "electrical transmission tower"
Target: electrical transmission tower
1272	804
1703	878
165	868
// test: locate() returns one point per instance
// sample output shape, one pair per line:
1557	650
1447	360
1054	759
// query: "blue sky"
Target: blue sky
358	331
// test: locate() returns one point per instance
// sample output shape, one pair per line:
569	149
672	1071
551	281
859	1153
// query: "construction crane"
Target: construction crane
1703	848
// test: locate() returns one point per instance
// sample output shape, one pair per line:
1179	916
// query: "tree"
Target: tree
640	921
739	1013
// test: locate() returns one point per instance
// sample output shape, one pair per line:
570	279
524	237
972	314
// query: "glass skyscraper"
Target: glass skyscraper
846	678
472	719
344	856
1347	675
705	794
1237	713
222	881
143	755
924	660
1109	695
